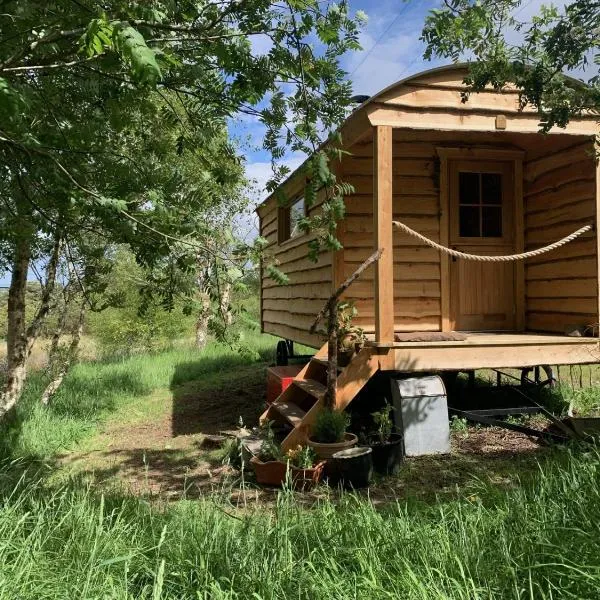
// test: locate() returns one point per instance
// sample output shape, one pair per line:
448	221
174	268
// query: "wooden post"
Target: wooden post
445	324
383	234
596	148
519	245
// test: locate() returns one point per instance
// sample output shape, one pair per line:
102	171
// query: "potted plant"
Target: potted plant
329	434
386	445
350	338
306	470
271	466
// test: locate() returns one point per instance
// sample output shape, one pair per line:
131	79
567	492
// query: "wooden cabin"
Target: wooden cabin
476	176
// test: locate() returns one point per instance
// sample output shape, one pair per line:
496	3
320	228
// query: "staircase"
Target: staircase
299	404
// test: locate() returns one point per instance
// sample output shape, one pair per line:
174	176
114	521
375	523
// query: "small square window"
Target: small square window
296	213
289	219
480	205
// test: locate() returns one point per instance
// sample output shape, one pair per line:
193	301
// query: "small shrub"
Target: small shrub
459	425
383	423
330	426
231	453
269	449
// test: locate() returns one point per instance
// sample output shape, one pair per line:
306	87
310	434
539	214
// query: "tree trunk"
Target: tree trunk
20	340
68	360
16	338
332	335
202	322
226	304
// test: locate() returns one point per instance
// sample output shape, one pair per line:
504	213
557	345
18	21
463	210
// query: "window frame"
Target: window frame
284	216
505	169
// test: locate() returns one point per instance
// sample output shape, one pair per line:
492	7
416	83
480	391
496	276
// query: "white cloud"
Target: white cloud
261	44
392	49
261	171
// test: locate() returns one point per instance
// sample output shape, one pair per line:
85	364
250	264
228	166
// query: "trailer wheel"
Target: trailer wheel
282	355
537	380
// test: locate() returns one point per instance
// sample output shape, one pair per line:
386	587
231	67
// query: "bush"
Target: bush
330	426
123	331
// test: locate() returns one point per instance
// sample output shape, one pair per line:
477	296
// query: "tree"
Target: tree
114	125
536	56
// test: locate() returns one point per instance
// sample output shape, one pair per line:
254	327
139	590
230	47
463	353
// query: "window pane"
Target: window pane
491	192
468	188
296	213
491	221
469	221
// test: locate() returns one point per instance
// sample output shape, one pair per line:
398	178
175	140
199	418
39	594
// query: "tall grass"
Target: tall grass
538	541
94	389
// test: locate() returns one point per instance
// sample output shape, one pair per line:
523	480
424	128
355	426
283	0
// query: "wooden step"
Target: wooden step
325	363
291	412
310	386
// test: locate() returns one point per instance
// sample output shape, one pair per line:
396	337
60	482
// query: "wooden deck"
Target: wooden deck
488	351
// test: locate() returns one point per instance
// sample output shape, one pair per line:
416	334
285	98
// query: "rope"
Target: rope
505	258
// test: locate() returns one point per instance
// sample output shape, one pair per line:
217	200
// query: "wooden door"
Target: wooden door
482	221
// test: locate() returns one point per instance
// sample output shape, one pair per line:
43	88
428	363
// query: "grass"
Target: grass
64	538
537	541
95	389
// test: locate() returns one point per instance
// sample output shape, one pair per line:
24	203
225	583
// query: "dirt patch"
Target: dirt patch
153	448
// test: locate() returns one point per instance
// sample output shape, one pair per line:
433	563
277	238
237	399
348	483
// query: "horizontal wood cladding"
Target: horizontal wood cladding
287	311
416	269
403	271
406	185
423	96
561	286
291	332
419	205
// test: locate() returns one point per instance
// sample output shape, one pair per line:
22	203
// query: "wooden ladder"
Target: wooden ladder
299	404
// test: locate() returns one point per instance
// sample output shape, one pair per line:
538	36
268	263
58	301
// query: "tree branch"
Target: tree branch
347	283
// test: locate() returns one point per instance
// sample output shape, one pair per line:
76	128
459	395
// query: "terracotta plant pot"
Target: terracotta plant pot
326	451
274	473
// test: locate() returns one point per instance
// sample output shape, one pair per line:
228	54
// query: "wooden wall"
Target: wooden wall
560	196
288	311
416	203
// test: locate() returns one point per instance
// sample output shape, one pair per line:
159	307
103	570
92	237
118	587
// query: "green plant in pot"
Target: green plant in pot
329	435
350	338
272	467
387	446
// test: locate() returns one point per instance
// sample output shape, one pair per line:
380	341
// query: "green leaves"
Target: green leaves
12	101
98	37
133	49
102	36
